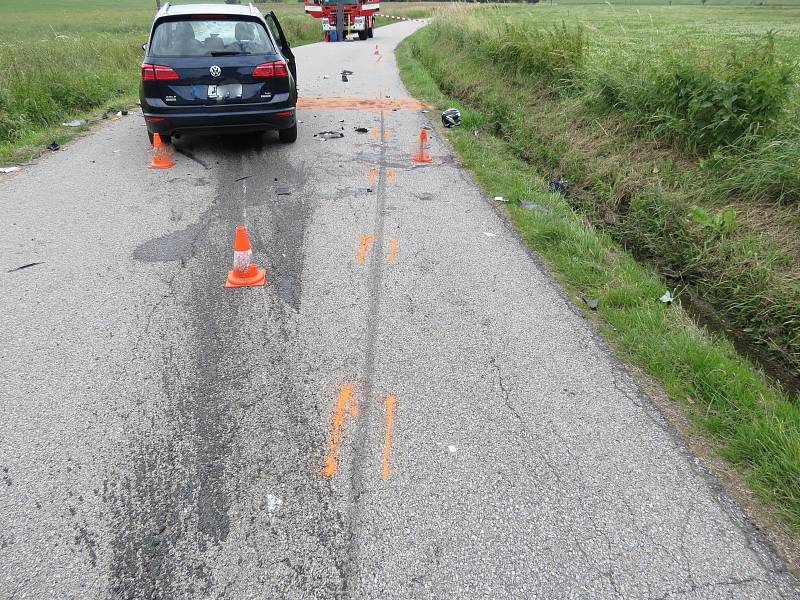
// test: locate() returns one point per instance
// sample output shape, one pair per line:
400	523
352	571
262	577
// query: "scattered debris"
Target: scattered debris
476	132
75	123
104	116
451	117
325	77
452	449
593	303
346	72
341	120
283	191
369	189
500	199
53	147
489	234
33	264
242	178
424	111
344	77
121	113
667	298
9	169
558	185
329	135
362	129
532	206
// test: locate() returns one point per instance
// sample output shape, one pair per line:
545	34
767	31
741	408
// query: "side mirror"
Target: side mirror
144	46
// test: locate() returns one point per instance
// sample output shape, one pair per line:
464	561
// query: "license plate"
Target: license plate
223	92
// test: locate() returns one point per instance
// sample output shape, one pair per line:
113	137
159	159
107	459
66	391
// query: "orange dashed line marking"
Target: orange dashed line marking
373	175
392	176
345	404
363	248
374	133
387	134
392	250
387	443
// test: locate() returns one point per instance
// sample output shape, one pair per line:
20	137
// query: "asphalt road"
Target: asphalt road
165	437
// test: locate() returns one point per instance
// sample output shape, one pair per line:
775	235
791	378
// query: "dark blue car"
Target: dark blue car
217	68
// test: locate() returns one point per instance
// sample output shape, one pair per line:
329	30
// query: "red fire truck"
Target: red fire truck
340	18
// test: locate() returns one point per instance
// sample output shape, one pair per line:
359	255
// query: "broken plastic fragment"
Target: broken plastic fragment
283	191
593	304
558	185
500	199
667	298
362	129
489	234
532	206
452	449
75	123
9	169
329	135
53	147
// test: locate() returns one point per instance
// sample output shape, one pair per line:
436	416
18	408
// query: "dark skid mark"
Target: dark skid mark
33	264
178	245
188	154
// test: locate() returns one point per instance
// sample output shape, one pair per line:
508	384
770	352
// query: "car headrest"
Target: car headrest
245	32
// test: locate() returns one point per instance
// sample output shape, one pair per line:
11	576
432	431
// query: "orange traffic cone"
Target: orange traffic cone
421	153
161	159
244	273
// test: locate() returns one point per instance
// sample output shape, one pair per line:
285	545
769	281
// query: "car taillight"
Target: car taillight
158	72
271	69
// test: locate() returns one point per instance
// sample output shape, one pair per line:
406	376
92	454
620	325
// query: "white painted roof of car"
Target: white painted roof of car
207	9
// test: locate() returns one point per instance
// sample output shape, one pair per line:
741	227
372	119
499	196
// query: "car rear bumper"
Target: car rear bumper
203	121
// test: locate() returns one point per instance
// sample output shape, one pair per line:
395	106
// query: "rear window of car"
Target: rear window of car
210	37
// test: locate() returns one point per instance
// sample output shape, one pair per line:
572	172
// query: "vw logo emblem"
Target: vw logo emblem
215	71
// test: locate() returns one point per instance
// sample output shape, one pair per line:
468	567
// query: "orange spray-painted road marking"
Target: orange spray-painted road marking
387	444
363	248
373	133
392	176
345	404
387	134
392	250
373	175
348	103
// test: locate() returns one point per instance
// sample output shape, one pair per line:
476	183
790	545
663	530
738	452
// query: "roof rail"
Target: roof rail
252	8
166	7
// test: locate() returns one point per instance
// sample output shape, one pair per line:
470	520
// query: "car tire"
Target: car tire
288	136
362	35
369	32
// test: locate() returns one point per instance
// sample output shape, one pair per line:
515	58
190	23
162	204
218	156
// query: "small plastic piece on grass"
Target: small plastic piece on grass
9	169
75	123
593	303
532	206
500	199
558	185
451	117
667	298
53	147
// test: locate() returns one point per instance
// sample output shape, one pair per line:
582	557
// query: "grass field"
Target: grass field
71	59
643	109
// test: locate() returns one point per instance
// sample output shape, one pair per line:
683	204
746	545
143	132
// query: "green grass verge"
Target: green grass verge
751	423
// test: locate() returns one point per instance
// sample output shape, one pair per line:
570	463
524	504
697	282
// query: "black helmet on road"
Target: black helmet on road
451	117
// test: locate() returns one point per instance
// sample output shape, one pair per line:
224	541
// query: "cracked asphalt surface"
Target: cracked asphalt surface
163	437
